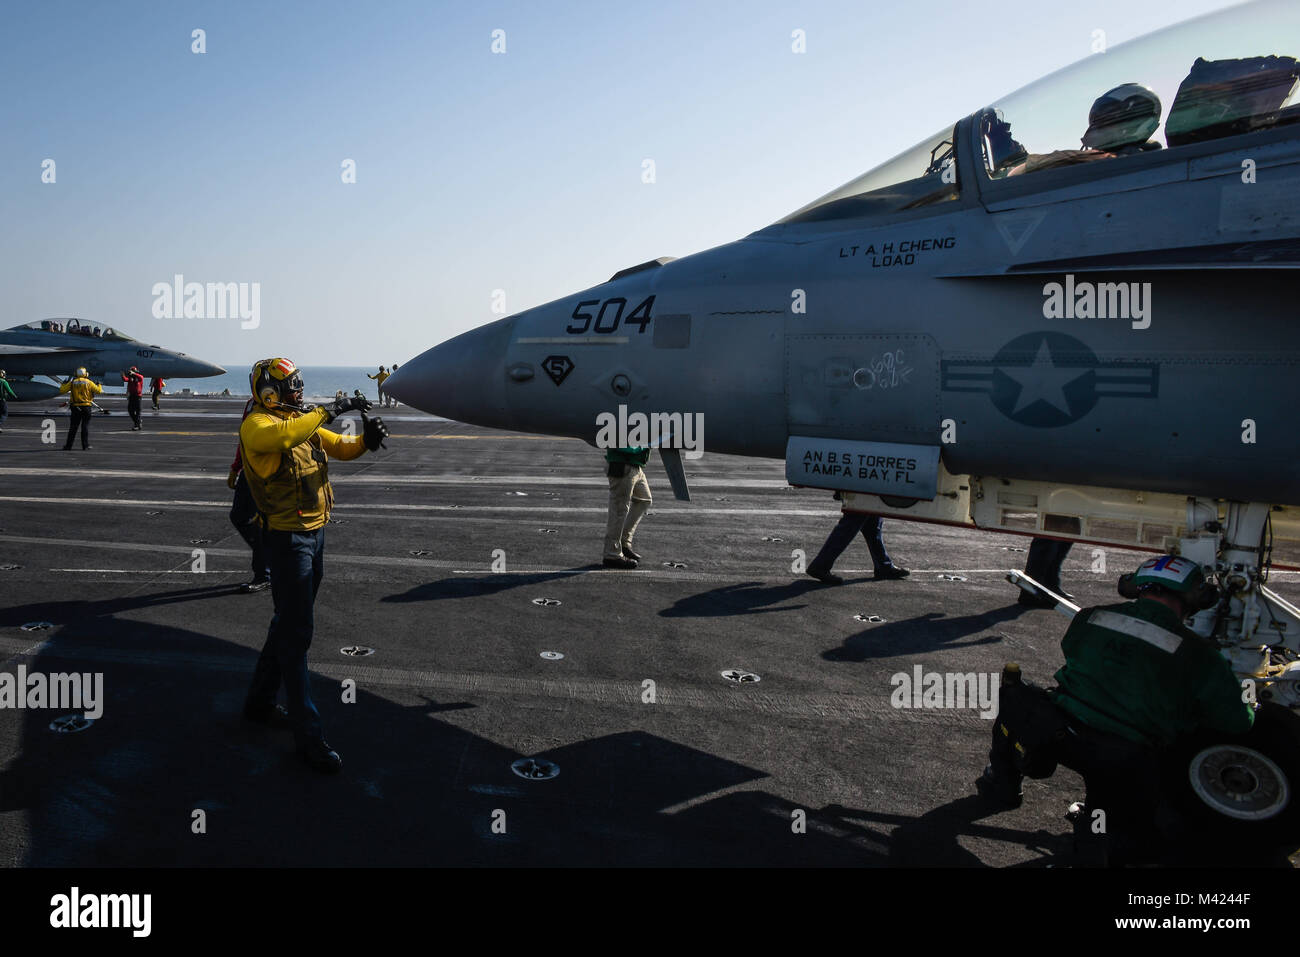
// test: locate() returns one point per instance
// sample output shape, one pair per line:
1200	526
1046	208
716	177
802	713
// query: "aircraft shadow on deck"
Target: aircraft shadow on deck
73	611
415	789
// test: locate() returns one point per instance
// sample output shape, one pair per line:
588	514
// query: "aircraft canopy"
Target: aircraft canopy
1223	74
73	327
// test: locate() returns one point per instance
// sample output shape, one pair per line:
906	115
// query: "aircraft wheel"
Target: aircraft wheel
1246	785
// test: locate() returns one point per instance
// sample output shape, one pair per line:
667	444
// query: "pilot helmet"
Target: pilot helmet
274	382
1124	116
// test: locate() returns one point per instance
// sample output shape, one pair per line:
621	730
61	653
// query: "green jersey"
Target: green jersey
634	456
1136	671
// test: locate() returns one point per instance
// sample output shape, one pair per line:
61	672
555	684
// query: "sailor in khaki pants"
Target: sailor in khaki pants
629	500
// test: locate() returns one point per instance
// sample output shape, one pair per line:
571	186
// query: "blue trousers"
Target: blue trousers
243	515
842	534
297	561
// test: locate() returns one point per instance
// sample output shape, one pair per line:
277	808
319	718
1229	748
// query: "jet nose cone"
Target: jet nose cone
462	379
188	368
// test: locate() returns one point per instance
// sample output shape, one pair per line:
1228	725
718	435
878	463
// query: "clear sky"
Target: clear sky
475	171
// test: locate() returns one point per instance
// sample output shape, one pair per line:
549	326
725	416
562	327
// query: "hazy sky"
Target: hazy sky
475	171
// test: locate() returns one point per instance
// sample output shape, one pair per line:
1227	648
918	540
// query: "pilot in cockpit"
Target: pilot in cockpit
1120	123
1122	120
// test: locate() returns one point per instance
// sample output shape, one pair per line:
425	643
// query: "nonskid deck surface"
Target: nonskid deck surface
661	759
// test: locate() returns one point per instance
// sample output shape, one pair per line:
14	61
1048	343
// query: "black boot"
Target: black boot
274	717
999	790
321	757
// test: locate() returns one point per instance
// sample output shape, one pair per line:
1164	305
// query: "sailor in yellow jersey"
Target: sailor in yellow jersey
381	375
81	400
285	455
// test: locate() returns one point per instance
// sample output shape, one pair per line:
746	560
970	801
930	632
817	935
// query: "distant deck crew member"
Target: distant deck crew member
850	524
1135	680
6	393
134	383
285	455
381	375
156	386
629	500
81	399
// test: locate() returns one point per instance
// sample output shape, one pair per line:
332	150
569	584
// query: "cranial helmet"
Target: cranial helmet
1169	571
1180	575
1124	116
81	372
274	381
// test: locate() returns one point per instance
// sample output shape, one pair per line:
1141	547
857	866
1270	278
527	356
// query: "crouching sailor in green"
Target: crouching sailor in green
1135	681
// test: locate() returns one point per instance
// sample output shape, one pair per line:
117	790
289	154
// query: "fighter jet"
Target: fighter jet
1072	313
57	347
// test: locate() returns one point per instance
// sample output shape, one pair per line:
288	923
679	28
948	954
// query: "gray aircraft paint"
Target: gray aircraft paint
1157	408
37	352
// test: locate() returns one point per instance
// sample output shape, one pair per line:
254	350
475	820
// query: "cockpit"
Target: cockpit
1228	73
74	327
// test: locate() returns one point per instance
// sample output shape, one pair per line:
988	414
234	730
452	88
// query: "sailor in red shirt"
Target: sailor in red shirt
134	382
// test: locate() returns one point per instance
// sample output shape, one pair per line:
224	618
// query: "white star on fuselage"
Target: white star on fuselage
1043	380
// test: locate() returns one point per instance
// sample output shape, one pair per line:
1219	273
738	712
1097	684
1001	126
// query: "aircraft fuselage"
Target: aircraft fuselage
1129	324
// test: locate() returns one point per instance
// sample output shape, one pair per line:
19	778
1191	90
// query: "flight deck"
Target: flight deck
713	707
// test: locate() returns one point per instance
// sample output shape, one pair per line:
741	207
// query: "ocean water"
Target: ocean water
319	382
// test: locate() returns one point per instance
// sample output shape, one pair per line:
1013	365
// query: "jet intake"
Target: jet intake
28	391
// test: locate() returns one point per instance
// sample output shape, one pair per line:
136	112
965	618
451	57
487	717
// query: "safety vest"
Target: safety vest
82	391
297	497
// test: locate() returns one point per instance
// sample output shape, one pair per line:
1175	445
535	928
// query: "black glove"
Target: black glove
373	432
345	404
